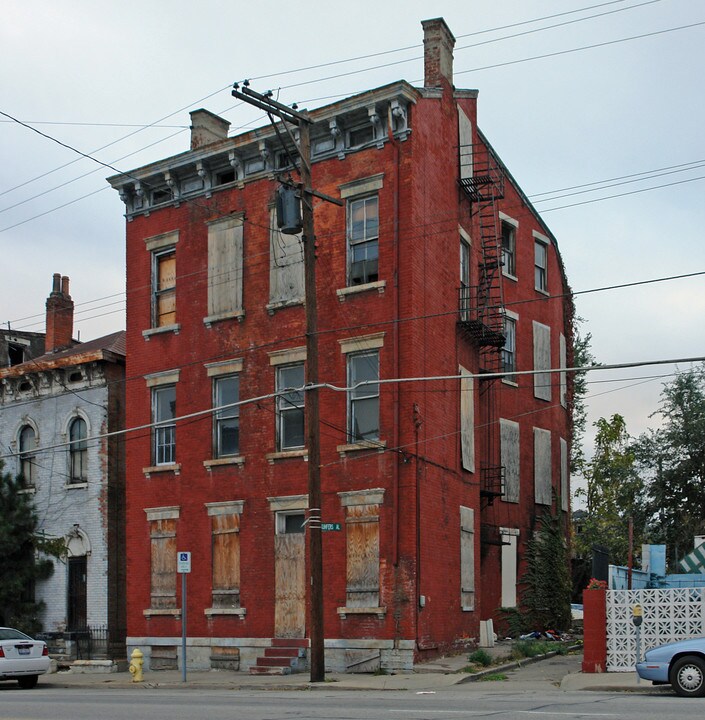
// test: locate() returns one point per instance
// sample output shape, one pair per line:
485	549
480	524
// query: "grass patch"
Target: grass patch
533	648
493	677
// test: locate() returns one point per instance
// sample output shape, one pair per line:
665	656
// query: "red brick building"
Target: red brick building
435	266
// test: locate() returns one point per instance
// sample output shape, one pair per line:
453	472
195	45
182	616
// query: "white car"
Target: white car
22	658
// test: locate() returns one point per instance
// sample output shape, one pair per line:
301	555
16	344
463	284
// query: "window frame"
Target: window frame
372	241
166	439
510	321
78	452
540	271
27	454
158	293
508	247
223	416
288	406
353	401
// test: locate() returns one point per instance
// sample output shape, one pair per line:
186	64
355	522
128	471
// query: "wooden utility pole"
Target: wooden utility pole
315	549
315	546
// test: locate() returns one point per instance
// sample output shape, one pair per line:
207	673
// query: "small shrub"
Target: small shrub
480	657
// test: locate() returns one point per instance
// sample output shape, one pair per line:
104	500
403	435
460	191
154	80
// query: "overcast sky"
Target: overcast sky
94	75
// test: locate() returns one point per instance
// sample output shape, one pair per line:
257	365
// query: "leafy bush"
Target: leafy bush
480	657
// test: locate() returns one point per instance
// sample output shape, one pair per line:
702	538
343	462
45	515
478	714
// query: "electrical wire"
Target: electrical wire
364	383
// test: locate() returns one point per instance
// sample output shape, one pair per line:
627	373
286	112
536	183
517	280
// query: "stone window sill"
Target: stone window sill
30	490
76	486
146	334
279	304
239	612
153	469
513	383
287	455
237	314
164	612
345	611
364	445
379	285
219	462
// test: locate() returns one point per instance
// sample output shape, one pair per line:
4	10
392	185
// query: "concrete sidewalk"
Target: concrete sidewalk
564	675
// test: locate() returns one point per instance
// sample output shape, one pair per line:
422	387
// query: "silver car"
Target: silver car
22	658
680	664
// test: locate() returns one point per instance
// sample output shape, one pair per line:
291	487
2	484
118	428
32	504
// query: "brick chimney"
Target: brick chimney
59	329
207	128
438	44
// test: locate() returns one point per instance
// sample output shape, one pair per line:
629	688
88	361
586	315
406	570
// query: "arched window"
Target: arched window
78	451
27	447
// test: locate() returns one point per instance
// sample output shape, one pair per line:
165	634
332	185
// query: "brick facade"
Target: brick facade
424	513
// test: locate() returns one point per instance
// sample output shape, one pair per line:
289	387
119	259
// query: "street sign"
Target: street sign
330	526
183	562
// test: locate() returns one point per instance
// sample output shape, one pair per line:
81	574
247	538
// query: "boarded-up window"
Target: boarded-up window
509	449
562	361
286	270
509	566
467	558
362	541
565	488
225	267
225	529
162	533
467	419
542	466
542	361
164	288
464	144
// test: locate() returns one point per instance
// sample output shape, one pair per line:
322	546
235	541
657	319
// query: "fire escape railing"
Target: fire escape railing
481	306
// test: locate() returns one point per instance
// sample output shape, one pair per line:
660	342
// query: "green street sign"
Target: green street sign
330	526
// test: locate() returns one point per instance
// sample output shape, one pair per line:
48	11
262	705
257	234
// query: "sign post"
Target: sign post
183	566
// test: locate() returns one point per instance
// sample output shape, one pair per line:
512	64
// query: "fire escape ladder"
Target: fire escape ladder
482	308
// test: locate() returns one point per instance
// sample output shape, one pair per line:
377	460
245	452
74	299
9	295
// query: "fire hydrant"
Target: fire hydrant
137	661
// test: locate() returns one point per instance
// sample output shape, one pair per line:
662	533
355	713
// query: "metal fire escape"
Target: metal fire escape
481	308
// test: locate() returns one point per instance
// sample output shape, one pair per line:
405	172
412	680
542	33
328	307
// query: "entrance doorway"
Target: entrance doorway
290	575
77	616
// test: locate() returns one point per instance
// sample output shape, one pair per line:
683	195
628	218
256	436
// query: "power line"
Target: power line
648	2
349	388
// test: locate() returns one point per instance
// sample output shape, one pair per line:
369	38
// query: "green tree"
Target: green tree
547	583
673	460
614	492
24	556
582	357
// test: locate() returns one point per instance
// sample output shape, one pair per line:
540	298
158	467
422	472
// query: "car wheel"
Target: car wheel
28	681
687	676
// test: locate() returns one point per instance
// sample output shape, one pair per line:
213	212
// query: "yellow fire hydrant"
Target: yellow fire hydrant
137	661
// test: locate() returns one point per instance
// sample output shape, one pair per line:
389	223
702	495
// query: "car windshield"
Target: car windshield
10	634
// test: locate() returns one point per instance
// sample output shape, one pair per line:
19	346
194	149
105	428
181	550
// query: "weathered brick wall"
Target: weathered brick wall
420	210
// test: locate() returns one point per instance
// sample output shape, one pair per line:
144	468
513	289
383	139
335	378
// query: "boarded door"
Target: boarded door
290	574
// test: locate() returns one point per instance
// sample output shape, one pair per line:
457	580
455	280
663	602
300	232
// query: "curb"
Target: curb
515	664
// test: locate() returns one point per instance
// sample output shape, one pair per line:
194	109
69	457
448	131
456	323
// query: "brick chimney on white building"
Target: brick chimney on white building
59	305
